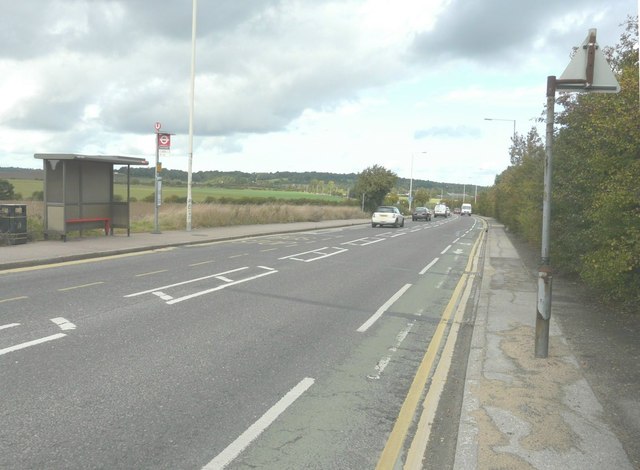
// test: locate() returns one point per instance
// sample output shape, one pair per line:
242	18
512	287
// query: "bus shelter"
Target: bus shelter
79	193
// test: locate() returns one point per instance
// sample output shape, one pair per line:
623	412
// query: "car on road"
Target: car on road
387	215
466	209
440	211
421	213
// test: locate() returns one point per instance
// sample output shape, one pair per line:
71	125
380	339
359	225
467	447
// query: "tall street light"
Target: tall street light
411	182
191	105
508	120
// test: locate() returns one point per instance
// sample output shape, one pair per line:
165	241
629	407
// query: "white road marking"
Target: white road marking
445	250
201	263
429	266
366	325
81	286
319	252
63	323
163	296
208	291
363	241
152	272
31	343
384	362
155	289
234	449
8	325
22	297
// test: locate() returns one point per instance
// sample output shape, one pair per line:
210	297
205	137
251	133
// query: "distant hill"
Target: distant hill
21	173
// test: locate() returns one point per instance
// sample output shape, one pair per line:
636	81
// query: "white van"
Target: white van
466	209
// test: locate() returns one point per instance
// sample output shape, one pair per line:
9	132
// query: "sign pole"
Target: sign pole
156	228
588	71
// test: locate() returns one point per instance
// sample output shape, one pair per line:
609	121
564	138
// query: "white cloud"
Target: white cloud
328	85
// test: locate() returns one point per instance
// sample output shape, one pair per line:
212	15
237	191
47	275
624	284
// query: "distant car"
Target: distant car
421	213
456	210
387	215
440	211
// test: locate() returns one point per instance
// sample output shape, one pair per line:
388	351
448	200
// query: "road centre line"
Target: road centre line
22	297
31	343
445	250
234	449
152	272
366	325
155	289
64	289
201	263
429	266
214	289
8	325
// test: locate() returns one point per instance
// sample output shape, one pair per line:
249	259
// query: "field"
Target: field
172	216
26	187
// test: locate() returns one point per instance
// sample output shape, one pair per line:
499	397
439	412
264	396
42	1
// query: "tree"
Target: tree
6	191
374	183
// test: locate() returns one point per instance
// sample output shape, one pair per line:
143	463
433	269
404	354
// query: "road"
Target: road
285	351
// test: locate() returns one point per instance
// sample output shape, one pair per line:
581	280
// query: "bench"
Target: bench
103	220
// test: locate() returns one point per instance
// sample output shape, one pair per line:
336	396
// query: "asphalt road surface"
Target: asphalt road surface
285	351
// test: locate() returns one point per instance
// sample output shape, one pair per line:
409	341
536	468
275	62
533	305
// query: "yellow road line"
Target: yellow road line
80	287
400	429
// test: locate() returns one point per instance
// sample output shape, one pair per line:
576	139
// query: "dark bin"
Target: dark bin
13	224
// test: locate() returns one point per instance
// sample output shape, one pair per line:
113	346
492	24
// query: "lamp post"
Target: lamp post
508	120
411	182
191	106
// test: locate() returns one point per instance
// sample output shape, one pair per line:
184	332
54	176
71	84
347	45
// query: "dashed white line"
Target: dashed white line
429	266
366	325
81	286
234	449
31	343
445	250
9	325
152	272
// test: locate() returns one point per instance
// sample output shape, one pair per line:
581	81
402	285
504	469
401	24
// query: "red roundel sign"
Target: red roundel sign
164	141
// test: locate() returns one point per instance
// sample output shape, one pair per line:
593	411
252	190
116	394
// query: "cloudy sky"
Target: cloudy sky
289	85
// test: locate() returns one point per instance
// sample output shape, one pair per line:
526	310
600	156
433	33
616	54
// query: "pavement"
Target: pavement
518	411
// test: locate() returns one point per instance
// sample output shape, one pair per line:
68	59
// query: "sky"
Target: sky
289	85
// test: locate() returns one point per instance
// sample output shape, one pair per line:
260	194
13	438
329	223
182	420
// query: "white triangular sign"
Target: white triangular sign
604	80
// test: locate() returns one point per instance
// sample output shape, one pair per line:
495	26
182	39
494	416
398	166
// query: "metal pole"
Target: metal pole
411	184
191	106
156	228
545	274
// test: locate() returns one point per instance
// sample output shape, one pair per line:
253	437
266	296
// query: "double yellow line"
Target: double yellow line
392	449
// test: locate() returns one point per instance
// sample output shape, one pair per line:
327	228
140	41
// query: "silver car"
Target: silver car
387	215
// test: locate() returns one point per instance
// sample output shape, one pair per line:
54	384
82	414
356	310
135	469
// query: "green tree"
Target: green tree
374	183
6	191
421	197
596	173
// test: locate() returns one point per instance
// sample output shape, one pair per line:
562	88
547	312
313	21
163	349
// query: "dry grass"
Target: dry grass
173	216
